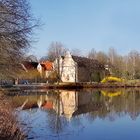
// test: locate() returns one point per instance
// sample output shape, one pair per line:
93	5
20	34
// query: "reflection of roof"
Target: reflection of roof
47	65
48	105
30	105
87	108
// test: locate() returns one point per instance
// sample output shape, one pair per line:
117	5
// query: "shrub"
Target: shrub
9	129
112	79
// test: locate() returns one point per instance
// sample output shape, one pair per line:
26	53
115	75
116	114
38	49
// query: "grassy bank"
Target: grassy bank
9	129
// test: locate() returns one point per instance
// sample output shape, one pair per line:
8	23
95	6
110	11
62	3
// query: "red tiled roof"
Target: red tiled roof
47	65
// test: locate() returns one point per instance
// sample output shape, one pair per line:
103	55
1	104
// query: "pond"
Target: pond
85	114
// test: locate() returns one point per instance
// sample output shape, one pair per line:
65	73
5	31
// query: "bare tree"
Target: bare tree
16	26
55	50
92	54
134	61
31	58
76	52
102	57
112	54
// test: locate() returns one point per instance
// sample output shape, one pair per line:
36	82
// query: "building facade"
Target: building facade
67	68
78	69
45	68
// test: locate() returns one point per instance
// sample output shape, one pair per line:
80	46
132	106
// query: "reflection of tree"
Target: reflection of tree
113	107
56	122
40	101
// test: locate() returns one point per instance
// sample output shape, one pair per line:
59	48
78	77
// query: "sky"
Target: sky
87	24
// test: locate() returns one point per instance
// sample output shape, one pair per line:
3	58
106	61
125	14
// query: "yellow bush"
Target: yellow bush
112	79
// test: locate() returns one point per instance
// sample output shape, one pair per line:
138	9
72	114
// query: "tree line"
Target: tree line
124	66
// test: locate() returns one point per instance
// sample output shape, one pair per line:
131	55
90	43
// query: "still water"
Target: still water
85	114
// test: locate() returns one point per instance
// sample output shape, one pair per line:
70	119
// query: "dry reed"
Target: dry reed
9	128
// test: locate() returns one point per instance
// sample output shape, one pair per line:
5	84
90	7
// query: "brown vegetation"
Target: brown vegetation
9	129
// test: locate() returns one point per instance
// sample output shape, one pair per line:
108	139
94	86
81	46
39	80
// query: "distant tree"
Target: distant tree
16	26
43	58
55	50
125	67
31	58
76	52
112	54
134	60
102	57
92	54
116	61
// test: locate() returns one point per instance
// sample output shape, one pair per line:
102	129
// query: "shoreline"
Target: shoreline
65	86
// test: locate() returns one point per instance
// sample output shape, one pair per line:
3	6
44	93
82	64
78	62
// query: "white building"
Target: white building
67	68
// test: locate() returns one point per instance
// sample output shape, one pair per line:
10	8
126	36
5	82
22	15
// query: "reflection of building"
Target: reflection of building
67	103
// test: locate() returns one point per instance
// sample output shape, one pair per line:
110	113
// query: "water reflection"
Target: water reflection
64	111
111	93
72	103
65	103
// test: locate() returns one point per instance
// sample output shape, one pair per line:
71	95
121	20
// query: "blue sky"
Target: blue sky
87	24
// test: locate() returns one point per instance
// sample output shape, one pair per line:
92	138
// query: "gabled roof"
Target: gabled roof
48	105
90	107
30	65
88	63
47	65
